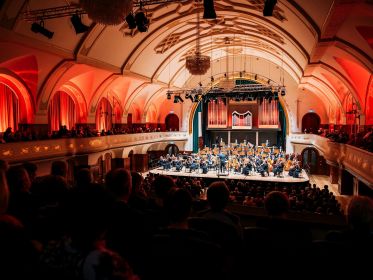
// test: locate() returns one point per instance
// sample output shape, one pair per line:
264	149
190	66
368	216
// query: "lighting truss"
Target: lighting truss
239	91
72	9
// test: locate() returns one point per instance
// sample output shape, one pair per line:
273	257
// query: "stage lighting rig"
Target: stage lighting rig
269	5
39	28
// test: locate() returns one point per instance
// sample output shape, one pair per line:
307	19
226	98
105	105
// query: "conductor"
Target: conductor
222	161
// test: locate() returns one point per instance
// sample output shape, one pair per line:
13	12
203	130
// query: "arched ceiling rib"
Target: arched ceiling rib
320	39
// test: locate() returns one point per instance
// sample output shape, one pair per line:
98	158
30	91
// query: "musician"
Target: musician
222	161
263	168
295	170
279	168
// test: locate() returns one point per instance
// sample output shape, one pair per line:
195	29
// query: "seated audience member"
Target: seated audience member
31	169
18	256
177	252
138	198
360	221
281	240
20	201
218	197
59	168
83	178
127	231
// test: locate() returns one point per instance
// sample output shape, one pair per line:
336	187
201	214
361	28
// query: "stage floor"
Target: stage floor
256	177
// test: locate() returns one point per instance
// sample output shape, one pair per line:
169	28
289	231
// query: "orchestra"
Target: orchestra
243	158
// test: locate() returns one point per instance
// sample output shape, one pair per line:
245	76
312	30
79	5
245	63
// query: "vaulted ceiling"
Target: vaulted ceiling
323	46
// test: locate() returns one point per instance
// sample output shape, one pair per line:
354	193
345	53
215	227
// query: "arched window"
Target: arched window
9	108
61	111
172	122
311	122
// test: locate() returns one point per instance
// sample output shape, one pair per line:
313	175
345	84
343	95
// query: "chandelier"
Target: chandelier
197	64
108	12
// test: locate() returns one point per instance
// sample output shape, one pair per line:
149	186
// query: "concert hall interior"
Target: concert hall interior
189	139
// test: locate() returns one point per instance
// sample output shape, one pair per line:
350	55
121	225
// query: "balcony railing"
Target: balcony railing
34	150
357	161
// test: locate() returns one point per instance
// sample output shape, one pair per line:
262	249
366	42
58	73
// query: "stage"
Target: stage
232	176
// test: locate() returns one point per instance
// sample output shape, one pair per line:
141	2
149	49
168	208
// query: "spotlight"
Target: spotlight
39	28
78	25
200	84
212	79
130	19
142	22
168	95
189	96
256	77
240	74
178	99
209	9
283	91
269	5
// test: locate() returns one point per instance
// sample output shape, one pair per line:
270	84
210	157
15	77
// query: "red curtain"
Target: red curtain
61	111
268	113
9	110
103	115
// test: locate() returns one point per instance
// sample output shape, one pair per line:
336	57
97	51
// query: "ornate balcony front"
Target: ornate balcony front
357	161
46	149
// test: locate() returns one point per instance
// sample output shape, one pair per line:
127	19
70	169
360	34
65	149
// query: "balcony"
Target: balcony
45	149
357	161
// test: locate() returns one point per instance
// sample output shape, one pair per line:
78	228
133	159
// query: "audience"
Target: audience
159	227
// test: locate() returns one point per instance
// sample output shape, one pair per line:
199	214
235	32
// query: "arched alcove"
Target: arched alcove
310	159
172	149
9	108
104	115
311	121
172	122
61	111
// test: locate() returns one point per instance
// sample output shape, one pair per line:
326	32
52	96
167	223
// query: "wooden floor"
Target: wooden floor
256	177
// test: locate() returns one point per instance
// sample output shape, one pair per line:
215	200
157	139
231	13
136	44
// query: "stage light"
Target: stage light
283	91
256	77
269	5
130	19
240	74
168	95
78	25
212	79
178	99
209	9
189	96
39	28
142	22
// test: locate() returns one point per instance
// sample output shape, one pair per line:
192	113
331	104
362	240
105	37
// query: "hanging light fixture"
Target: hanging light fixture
197	64
108	12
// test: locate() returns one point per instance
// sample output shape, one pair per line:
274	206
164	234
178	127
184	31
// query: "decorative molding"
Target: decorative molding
48	149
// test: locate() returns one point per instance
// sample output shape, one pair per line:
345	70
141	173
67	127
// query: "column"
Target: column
257	138
345	182
140	162
334	174
229	138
